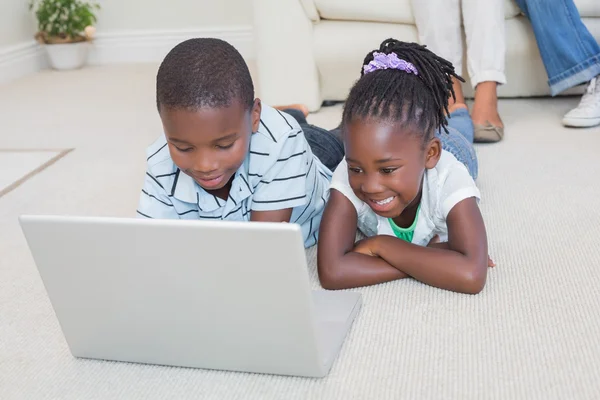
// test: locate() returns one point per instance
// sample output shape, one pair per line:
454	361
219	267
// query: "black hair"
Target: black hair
419	102
200	73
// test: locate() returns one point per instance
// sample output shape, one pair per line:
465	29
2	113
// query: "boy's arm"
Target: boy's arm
462	267
338	266
272	216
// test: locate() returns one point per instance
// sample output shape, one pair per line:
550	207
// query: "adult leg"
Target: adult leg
486	50
439	26
570	53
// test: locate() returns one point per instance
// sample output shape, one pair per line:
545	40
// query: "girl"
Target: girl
409	189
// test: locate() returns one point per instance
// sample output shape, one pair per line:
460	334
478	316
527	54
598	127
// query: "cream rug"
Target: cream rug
532	333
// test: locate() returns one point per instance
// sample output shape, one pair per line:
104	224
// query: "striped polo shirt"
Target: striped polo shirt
280	171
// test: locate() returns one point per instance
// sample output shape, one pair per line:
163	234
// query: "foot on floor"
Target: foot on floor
587	113
486	120
300	107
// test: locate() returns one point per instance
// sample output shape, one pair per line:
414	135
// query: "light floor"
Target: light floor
533	333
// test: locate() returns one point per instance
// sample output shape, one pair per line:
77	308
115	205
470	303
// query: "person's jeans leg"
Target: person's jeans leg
326	145
486	45
439	27
297	114
460	120
459	140
570	53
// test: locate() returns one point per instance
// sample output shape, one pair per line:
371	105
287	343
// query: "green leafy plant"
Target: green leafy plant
64	21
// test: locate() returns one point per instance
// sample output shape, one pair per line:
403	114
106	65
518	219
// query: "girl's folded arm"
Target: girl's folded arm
338	266
462	267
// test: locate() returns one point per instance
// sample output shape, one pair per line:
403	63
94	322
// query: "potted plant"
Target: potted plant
65	28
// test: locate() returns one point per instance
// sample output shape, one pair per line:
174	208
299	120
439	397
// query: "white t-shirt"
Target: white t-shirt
443	187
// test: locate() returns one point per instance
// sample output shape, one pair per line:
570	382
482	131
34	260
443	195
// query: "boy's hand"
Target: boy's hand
435	242
366	247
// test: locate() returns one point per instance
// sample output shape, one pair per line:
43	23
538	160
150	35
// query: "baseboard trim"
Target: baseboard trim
152	46
148	46
21	60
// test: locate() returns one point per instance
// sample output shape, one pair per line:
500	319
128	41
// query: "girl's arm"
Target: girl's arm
462	267
444	245
339	267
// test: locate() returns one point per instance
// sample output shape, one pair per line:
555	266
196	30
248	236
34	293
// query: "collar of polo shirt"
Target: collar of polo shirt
187	190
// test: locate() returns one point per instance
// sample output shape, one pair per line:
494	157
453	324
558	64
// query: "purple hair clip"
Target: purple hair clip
389	61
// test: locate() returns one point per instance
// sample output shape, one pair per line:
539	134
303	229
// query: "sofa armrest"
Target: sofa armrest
287	69
310	8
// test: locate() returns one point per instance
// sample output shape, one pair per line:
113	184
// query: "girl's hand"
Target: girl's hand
366	247
435	242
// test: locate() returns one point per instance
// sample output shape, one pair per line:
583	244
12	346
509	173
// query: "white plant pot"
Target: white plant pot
67	56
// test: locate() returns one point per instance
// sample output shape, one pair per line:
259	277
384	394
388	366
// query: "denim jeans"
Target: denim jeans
459	140
326	145
570	53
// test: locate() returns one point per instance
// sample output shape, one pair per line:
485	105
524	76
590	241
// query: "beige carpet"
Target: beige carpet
533	333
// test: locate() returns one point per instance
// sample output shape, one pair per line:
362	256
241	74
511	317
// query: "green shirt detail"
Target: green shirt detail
405	234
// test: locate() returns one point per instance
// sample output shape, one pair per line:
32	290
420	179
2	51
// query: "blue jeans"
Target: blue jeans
326	145
459	140
570	53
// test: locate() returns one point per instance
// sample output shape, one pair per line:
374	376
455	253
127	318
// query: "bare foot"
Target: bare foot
485	107
460	98
456	106
299	107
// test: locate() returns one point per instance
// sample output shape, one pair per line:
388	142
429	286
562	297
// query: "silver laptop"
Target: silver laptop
218	295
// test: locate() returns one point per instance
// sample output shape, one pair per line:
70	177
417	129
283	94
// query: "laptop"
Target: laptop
203	294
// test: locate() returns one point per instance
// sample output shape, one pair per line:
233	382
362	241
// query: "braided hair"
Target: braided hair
418	102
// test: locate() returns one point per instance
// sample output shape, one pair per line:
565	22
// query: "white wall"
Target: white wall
131	31
17	25
128	31
127	15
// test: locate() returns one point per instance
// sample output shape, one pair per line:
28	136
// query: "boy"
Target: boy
226	156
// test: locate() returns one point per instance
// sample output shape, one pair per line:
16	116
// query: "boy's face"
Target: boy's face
386	165
210	144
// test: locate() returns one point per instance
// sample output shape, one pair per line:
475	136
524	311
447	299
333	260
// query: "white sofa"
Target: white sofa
311	50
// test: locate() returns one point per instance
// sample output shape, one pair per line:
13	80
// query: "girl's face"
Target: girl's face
386	164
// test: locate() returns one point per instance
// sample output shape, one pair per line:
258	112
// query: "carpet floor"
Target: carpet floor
532	333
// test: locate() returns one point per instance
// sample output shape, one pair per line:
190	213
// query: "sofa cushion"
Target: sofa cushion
310	9
341	46
397	11
588	8
511	9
